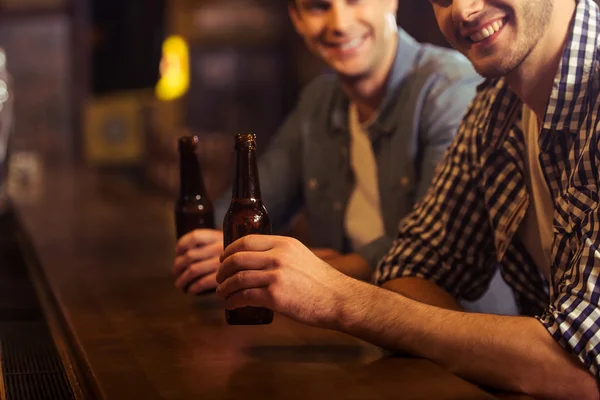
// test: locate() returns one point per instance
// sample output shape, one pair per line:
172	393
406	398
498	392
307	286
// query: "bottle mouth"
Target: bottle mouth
188	143
245	141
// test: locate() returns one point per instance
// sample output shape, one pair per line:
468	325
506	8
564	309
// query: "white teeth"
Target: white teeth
487	31
351	44
477	37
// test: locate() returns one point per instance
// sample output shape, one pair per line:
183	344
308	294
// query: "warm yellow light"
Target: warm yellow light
174	69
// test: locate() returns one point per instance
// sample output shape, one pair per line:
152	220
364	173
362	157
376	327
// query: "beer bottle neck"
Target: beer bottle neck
191	182
246	185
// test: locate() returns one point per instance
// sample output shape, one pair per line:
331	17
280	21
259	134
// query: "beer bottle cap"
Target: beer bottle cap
188	143
245	140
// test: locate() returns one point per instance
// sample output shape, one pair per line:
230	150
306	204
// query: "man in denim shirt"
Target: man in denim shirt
361	146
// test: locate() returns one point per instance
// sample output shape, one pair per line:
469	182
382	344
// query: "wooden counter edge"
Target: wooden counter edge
77	367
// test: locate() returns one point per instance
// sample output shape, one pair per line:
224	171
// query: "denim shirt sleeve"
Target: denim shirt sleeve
448	95
443	110
280	173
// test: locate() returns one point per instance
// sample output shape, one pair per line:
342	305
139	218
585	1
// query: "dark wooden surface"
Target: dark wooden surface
106	249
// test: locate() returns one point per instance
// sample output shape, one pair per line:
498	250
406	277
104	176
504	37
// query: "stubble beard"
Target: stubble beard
537	13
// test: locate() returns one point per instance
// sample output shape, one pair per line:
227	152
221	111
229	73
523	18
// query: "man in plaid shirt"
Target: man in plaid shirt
518	190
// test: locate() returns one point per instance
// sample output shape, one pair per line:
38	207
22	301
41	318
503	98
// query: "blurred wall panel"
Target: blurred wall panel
417	18
21	4
226	21
29	3
236	89
125	53
239	72
127	39
242	79
38	57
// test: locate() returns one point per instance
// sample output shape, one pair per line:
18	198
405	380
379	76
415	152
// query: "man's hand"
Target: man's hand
281	274
197	260
350	264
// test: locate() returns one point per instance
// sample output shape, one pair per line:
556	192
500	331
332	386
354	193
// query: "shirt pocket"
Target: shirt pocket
323	171
316	189
324	213
403	183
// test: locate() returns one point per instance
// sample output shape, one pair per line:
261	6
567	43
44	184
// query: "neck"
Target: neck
367	93
532	81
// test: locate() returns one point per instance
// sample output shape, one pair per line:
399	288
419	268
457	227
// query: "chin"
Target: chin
494	66
493	69
489	73
352	75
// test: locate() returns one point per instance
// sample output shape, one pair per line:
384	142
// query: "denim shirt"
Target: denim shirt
307	164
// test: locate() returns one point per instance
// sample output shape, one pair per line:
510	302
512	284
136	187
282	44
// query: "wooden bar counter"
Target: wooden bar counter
101	251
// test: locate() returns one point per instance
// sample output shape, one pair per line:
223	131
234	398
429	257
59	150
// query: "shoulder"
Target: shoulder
446	64
314	104
446	82
320	90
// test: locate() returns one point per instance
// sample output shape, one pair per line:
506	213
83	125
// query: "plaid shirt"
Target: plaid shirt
466	225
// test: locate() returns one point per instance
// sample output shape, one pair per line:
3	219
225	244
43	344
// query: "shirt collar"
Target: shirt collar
576	79
407	52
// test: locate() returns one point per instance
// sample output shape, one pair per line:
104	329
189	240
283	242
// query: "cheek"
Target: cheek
448	30
312	29
443	18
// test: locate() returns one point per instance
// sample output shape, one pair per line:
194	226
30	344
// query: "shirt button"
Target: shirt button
313	184
337	205
404	181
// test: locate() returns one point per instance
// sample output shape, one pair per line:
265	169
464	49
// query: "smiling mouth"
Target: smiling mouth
348	45
486	31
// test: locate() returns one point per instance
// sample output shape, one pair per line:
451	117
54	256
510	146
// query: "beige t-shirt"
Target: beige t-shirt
363	221
536	230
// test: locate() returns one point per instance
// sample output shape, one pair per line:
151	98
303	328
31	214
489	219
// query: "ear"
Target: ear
296	19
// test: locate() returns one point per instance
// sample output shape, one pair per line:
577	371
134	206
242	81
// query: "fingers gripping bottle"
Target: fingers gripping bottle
246	215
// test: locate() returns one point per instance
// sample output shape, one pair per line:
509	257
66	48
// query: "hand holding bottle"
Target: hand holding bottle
197	260
199	245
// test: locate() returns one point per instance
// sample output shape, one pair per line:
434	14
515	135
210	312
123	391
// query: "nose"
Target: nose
465	11
340	17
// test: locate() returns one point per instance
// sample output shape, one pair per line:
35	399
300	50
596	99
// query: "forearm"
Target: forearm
509	353
423	291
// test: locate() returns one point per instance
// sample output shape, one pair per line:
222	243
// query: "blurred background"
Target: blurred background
110	84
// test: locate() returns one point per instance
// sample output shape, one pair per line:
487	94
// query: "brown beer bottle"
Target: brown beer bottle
193	209
246	215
